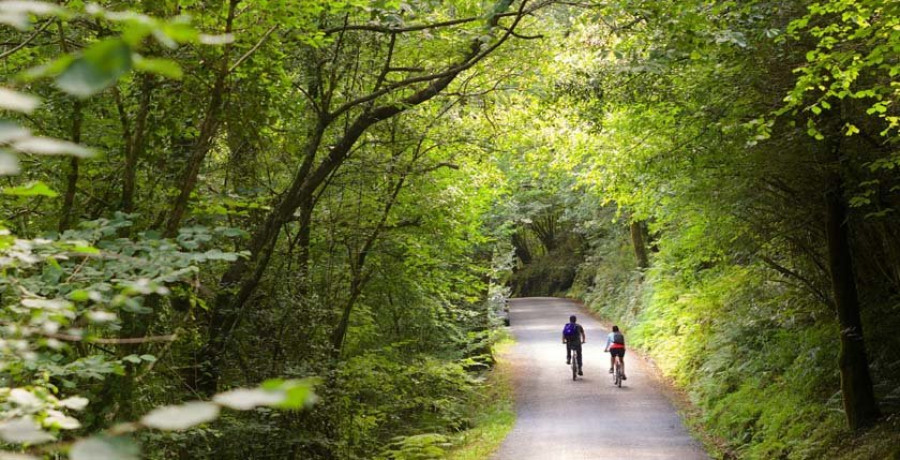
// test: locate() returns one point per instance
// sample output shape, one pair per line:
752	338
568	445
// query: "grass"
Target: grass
494	412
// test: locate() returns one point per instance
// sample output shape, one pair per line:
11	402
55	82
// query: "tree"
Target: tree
357	114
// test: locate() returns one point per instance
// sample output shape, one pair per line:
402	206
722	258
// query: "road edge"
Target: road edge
691	415
494	409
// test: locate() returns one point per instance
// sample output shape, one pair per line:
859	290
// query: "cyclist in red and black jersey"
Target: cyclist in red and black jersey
615	345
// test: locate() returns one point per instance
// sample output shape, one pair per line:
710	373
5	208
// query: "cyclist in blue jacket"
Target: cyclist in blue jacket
573	336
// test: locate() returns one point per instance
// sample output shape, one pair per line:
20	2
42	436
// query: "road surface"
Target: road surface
588	418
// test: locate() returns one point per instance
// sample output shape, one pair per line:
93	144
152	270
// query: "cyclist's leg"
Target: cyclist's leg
612	361
622	363
616	354
568	353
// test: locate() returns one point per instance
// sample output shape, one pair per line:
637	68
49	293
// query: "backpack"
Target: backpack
570	331
618	338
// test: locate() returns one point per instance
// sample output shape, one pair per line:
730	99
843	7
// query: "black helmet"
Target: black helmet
572	319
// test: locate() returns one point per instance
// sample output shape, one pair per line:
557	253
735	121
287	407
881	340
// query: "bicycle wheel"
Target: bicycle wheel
574	364
618	373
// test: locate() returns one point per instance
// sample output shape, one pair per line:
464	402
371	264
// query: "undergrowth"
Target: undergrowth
492	411
758	360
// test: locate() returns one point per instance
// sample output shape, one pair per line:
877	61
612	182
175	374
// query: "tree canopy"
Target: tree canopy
233	229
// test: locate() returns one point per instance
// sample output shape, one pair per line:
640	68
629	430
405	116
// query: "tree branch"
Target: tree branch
253	49
523	37
28	40
400	30
466	63
792	274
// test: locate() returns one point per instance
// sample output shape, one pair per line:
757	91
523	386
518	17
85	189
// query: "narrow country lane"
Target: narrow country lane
588	418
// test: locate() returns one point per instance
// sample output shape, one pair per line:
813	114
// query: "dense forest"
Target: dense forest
279	229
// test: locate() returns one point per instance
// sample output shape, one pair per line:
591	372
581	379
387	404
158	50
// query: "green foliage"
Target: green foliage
412	391
549	274
75	288
354	181
418	447
493	411
695	138
854	42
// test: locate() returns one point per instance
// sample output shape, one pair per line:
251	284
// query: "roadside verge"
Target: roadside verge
493	412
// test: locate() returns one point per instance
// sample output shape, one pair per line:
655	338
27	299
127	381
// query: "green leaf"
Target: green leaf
104	448
223	39
32	7
17	102
14	456
84	249
9	164
32	189
79	295
74	402
234	232
99	67
135	359
181	417
297	393
50	146
165	67
180	31
23	430
17	13
50	69
11	131
217	254
246	399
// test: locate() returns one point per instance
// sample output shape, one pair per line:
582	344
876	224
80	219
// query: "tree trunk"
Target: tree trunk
340	332
134	147
65	217
544	227
208	129
243	275
360	277
235	288
520	245
303	242
639	244
72	178
858	396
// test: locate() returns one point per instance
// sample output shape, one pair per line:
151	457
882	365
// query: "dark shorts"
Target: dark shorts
620	352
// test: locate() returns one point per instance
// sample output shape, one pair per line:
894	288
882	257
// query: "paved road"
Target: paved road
588	418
